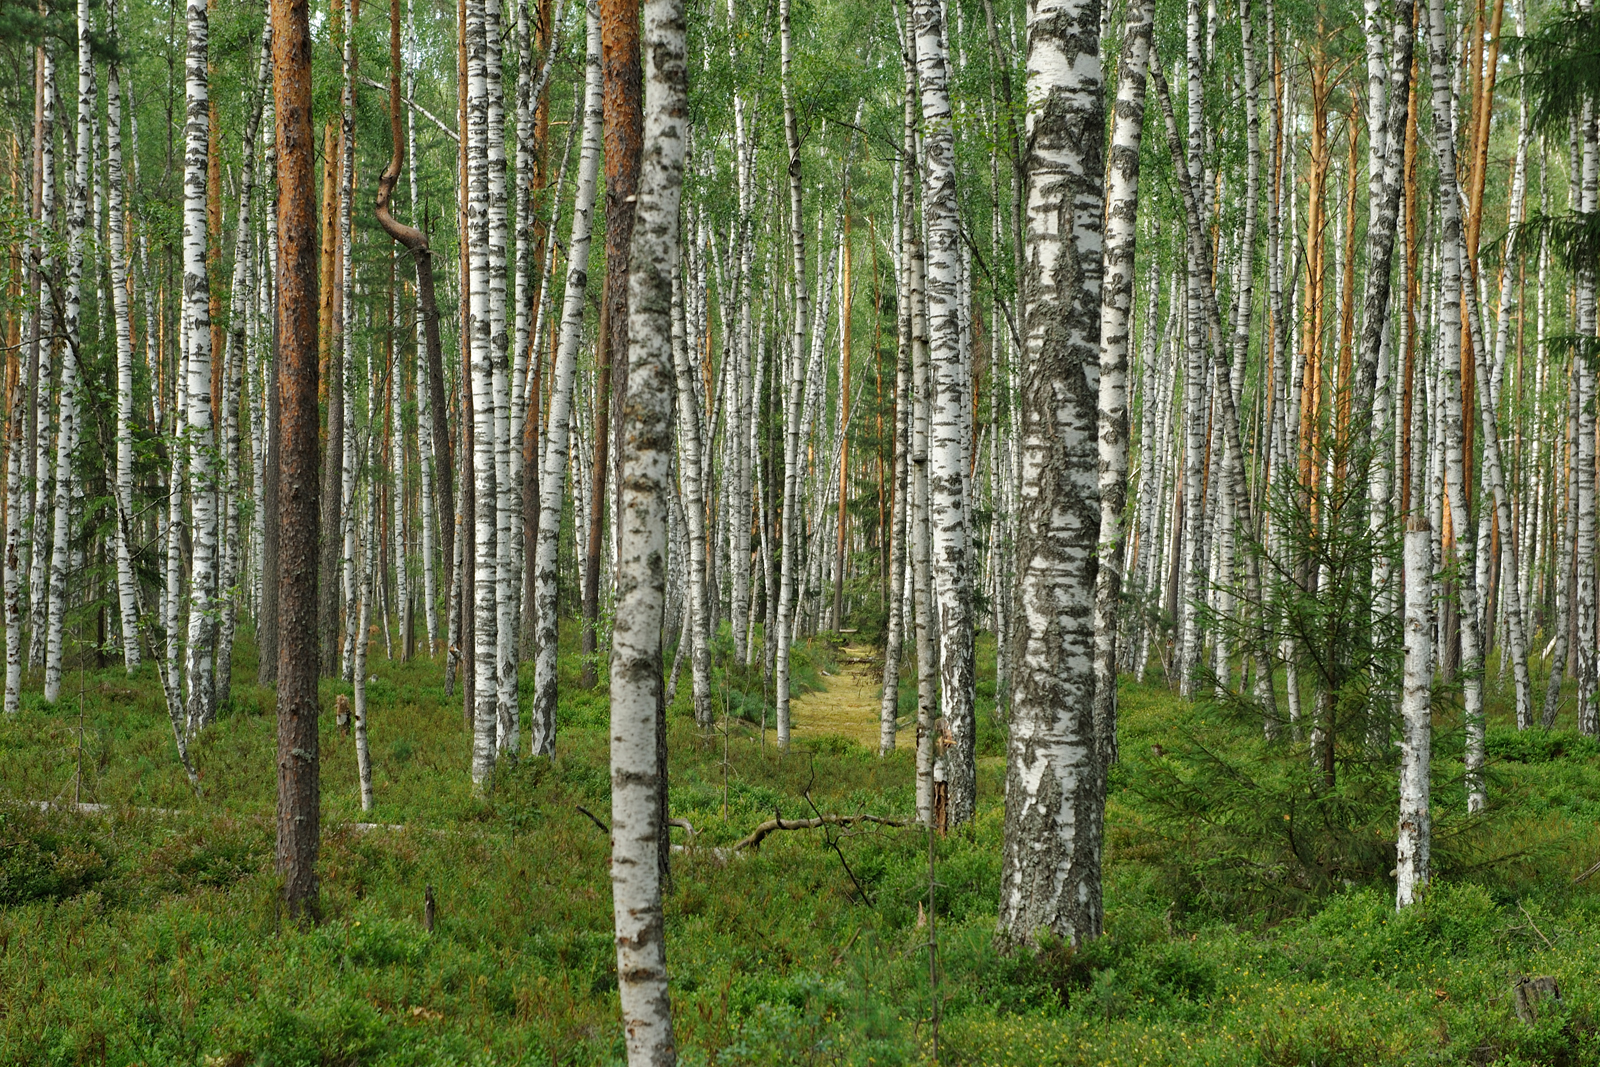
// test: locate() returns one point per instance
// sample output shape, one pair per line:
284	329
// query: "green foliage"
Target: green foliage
153	937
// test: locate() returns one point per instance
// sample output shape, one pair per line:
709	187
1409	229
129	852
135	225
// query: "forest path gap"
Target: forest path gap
848	707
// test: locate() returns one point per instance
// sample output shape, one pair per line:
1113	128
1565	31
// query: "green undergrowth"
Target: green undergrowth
149	933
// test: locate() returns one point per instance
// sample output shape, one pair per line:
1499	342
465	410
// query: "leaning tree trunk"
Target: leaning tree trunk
638	785
1050	876
553	471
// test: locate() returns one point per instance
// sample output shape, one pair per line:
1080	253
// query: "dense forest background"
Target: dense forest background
1046	532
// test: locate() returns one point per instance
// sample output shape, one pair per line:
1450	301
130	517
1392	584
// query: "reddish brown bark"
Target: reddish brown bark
299	794
622	76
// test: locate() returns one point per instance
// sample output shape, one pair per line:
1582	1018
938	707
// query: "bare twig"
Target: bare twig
760	833
1548	943
594	819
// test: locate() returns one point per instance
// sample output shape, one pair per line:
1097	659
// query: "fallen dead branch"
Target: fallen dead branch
759	834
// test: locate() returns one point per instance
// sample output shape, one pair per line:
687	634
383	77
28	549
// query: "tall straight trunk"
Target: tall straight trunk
795	386
480	377
40	371
638	779
624	125
1450	310
841	526
332	389
67	402
241	300
743	430
268	515
1055	804
399	497
1416	740
116	232
507	498
344	487
299	794
947	467
889	706
692	480
553	470
1116	303
920	542
358	713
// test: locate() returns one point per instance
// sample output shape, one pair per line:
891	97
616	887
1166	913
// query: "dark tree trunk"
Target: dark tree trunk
299	799
415	241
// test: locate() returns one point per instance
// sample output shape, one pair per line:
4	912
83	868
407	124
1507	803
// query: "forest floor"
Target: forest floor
849	702
1249	915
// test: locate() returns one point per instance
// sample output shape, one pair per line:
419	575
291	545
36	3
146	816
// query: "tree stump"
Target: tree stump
1533	994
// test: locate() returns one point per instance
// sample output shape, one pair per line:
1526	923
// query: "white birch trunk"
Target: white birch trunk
127	593
1450	289
1416	738
638	782
1050	876
553	471
692	480
67	404
947	460
1116	304
486	674
792	443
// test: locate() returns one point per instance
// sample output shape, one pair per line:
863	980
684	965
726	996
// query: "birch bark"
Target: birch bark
78	236
1116	303
1050	876
638	784
116	232
553	471
947	467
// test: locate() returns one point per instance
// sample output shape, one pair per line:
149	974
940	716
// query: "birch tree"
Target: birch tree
638	783
1050	873
553	468
947	466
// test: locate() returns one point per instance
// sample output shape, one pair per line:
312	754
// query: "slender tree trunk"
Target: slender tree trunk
1450	289
1116	303
1416	740
553	470
692	478
795	386
67	402
358	713
485	668
116	232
